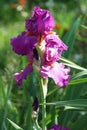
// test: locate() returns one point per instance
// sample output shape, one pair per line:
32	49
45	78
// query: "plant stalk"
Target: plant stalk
44	83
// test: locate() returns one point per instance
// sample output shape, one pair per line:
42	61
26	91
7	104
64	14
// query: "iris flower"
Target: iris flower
58	127
42	47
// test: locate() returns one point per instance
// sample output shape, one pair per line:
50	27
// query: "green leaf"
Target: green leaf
80	124
71	64
77	103
85	27
78	81
14	125
82	73
70	37
51	92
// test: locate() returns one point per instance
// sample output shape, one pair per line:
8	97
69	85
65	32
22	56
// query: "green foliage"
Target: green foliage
14	125
80	104
69	38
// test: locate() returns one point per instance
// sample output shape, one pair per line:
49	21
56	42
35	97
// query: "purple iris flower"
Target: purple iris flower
41	22
54	48
59	127
57	72
23	44
42	47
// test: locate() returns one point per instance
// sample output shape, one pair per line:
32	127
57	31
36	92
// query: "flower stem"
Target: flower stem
44	83
36	125
44	114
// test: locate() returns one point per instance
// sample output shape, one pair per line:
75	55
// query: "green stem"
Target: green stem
44	114
44	83
36	125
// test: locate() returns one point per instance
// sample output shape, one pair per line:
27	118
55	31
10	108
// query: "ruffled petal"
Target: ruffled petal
41	22
57	72
53	49
23	74
55	40
23	44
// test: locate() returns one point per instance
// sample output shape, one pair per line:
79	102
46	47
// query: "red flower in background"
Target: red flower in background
22	2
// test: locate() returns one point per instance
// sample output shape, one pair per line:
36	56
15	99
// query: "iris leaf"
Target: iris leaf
76	104
71	64
70	37
14	125
78	81
85	27
82	73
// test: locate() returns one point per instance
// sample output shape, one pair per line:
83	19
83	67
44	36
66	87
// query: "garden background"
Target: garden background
68	105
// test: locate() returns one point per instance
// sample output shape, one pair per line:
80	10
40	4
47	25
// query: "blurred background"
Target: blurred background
16	102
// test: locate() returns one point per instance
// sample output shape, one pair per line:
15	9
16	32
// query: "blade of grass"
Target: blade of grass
70	37
83	26
6	105
14	125
82	73
78	103
71	64
78	81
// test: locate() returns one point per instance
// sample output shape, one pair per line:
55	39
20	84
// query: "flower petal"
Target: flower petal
54	39
23	74
41	22
35	104
23	44
58	127
53	49
57	72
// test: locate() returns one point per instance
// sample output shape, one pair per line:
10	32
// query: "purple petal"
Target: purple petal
41	22
23	74
30	56
35	104
56	127
23	44
66	128
57	72
53	49
54	39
